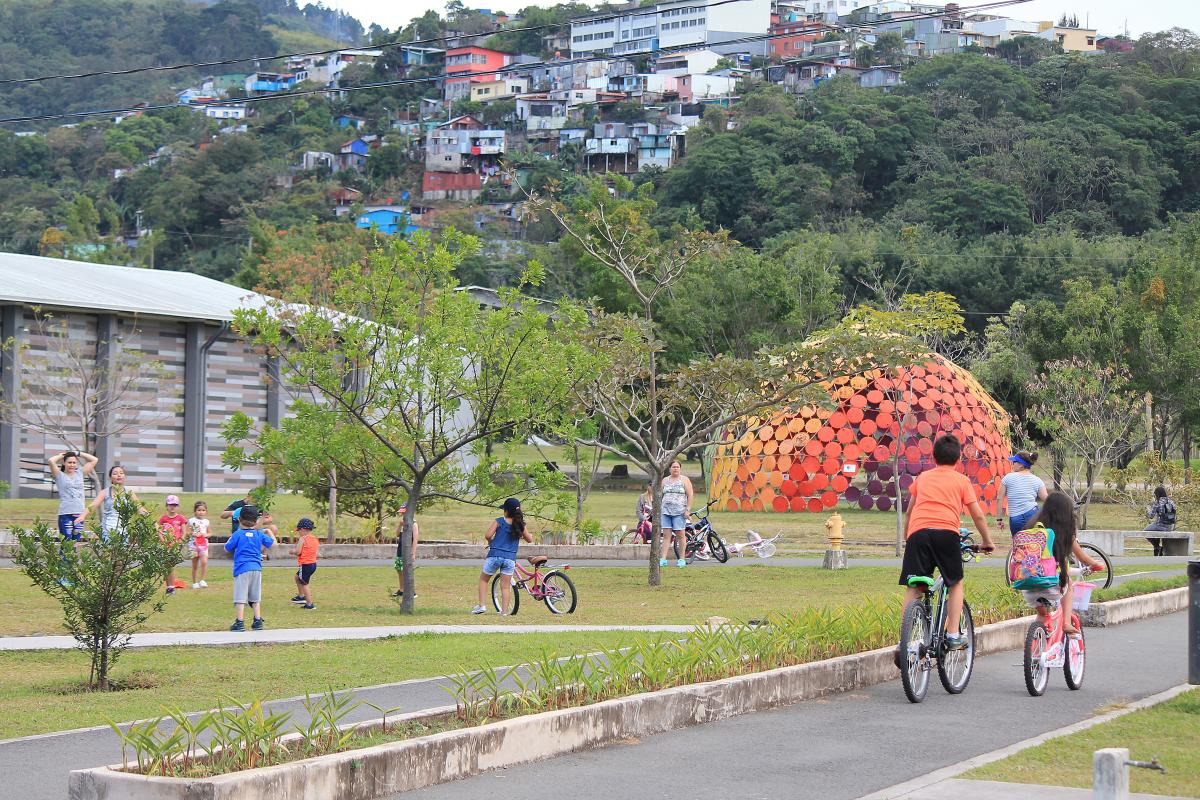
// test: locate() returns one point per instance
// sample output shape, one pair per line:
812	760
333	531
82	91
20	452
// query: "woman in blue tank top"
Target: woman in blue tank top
504	536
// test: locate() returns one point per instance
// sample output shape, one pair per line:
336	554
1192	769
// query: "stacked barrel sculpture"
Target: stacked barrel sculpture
866	447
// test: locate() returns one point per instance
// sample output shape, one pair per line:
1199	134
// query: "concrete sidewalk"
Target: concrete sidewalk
292	635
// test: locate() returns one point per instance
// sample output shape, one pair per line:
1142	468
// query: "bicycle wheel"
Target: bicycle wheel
1007	567
766	550
717	547
559	591
1036	672
498	597
1076	658
1099	555
914	639
955	666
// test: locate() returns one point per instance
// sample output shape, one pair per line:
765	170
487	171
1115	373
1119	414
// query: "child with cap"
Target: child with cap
504	536
306	562
171	525
246	545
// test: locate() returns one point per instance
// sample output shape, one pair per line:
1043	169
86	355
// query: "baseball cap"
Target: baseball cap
511	504
305	524
172	500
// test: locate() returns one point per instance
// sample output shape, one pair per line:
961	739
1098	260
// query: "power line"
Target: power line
459	75
311	53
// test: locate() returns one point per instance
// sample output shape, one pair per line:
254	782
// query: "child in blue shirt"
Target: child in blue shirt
247	544
504	536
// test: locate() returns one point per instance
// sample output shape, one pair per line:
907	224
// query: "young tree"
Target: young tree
107	586
1091	413
404	357
577	435
659	411
70	391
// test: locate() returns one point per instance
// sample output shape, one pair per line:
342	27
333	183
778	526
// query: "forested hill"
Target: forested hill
51	37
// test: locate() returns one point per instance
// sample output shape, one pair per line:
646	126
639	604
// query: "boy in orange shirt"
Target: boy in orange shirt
306	560
937	500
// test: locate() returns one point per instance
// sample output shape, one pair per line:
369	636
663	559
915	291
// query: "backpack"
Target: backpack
1166	512
1032	564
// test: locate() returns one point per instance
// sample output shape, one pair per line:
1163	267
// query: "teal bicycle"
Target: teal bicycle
922	636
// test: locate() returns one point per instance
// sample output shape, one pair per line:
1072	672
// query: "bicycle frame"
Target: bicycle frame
523	576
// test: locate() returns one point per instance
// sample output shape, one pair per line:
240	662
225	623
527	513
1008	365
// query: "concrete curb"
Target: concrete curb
473	552
412	764
1114	612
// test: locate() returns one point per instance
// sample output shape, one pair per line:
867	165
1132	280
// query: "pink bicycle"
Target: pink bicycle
1046	644
554	588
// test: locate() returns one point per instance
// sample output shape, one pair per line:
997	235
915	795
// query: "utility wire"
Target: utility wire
311	53
459	75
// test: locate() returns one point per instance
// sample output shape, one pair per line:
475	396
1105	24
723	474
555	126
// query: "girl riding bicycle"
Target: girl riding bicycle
1058	515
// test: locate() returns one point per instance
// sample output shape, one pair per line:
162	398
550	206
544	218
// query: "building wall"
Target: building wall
237	382
40	359
153	457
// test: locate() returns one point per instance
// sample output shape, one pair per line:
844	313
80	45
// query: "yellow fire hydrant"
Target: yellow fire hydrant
835	525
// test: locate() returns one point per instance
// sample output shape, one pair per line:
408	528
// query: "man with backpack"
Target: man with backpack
1162	515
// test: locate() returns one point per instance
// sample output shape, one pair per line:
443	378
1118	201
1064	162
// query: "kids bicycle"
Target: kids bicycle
755	543
1047	646
923	634
554	588
703	541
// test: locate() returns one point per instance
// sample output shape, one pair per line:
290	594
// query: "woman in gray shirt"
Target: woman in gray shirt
68	477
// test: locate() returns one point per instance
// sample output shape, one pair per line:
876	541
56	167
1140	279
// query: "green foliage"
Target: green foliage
108	585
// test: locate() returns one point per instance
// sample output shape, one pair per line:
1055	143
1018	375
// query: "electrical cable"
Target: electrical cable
142	107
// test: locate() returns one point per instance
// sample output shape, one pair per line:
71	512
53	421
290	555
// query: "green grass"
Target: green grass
1168	731
1138	586
41	691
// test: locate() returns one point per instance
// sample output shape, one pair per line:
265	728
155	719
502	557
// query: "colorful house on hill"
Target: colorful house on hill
464	143
349	121
265	82
389	220
353	154
451	186
467	65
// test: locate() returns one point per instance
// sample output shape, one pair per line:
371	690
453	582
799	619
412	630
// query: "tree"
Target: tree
1091	414
656	411
108	586
577	435
70	392
400	356
890	49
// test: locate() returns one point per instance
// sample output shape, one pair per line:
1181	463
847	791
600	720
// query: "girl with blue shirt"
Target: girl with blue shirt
504	536
1022	490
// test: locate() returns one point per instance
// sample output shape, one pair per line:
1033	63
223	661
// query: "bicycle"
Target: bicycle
554	588
763	548
703	542
639	534
1075	563
922	635
1046	644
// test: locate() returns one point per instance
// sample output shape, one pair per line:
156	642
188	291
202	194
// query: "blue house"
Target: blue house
390	220
349	121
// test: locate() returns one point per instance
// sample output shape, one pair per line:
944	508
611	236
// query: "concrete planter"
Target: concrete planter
1114	612
474	552
387	769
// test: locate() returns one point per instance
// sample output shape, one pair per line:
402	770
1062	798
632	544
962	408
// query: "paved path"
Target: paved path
286	635
848	745
842	746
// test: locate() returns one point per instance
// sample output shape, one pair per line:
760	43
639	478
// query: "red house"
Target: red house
451	186
473	63
789	39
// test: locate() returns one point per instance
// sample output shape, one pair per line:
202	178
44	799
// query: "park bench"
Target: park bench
1176	543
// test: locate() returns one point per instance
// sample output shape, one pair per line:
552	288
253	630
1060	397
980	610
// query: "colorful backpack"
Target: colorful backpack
1032	565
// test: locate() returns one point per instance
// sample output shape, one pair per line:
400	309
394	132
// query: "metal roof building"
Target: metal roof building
66	320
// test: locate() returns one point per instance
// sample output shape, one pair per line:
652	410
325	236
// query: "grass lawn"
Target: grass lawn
1168	731
41	691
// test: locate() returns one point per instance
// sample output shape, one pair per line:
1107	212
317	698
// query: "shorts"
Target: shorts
305	573
673	522
494	564
247	587
198	550
398	563
69	528
1019	522
929	548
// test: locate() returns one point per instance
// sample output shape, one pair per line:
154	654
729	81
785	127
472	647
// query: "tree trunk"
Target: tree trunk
1186	447
1090	477
1057	467
330	535
407	551
656	531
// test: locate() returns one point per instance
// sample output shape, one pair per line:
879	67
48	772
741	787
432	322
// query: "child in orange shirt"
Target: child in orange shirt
171	525
306	559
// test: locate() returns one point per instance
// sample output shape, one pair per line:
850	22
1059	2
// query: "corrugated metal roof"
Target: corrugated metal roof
58	282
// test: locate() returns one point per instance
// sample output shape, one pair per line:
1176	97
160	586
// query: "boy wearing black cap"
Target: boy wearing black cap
306	561
246	545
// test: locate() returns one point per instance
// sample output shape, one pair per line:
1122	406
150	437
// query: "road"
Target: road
813	749
844	746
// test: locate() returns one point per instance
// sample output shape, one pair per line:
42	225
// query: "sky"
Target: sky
1110	16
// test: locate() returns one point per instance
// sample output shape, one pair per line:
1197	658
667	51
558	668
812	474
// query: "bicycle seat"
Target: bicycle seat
537	561
916	581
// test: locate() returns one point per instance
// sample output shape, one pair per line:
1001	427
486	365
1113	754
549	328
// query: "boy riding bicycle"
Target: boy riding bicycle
937	500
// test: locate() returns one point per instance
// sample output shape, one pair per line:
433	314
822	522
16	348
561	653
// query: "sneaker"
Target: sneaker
955	641
478	610
238	626
170	590
195	586
308	606
257	625
681	563
662	562
203	584
398	593
298	598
